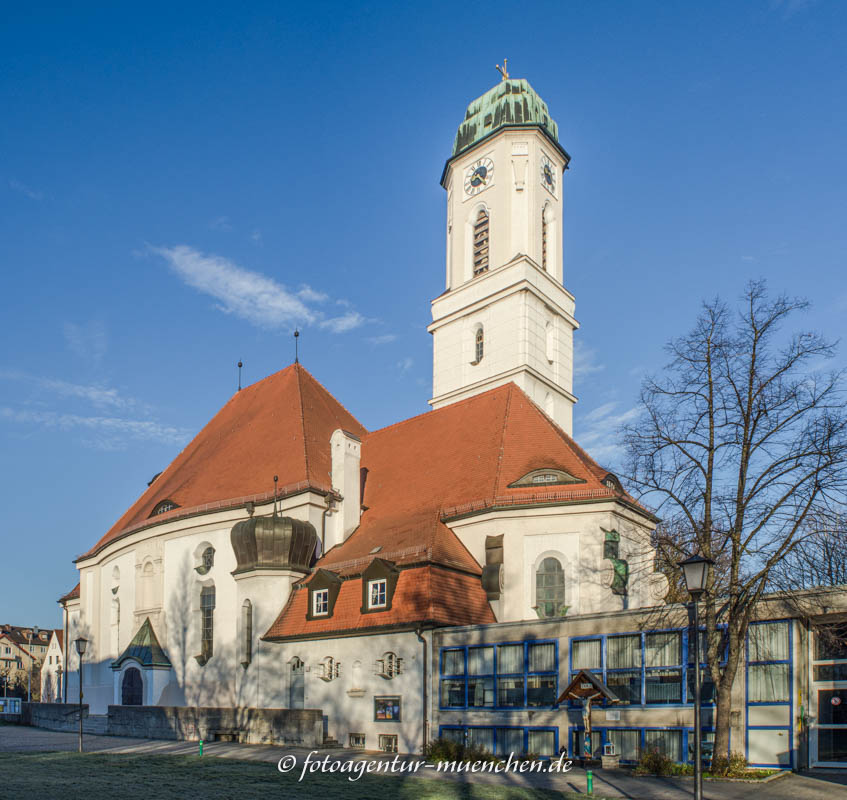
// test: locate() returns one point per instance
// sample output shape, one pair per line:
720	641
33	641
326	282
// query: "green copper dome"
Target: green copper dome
511	103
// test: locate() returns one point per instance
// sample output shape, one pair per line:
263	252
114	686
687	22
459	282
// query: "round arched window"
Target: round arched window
550	588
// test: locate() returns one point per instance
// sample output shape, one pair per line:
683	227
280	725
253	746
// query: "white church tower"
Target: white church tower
505	315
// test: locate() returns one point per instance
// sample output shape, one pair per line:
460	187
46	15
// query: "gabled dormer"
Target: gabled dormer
379	580
323	589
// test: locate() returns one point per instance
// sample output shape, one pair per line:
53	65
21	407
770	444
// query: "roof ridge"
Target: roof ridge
297	372
431	411
503	437
330	394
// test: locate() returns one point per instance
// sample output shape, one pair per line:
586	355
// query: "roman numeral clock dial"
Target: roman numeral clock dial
479	176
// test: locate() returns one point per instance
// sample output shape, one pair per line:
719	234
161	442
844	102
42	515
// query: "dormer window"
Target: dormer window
545	477
379	581
378	593
323	588
163	507
320	602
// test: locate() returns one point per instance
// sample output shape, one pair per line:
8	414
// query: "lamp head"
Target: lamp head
81	644
695	570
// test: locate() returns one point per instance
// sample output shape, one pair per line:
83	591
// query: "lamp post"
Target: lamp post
59	684
80	649
695	570
33	632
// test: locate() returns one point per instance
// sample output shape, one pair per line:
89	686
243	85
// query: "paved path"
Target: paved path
814	785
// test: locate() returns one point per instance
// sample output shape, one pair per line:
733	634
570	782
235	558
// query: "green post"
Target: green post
589	777
201	747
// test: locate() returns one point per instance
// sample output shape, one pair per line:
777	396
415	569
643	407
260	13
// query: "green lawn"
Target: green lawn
67	776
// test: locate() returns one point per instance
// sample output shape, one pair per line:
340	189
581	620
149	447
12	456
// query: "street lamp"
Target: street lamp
59	684
695	570
80	649
33	632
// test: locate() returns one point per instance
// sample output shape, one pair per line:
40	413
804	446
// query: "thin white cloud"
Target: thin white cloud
386	338
256	236
791	7
221	224
111	430
31	193
344	323
585	360
597	431
89	340
405	364
252	296
96	395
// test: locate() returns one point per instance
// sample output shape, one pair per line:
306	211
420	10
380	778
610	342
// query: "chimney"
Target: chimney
346	480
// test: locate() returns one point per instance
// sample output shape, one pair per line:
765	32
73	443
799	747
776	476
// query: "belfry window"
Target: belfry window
479	345
480	243
207	620
550	588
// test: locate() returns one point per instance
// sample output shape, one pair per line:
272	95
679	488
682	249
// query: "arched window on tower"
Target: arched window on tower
550	588
479	345
480	243
246	633
544	238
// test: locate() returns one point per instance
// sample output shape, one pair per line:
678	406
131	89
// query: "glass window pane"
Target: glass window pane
626	685
452	662
586	654
768	641
509	740
707	686
453	693
831	672
542	743
832	707
481	661
542	657
767	683
663	649
541	690
667	742
623	651
480	692
509	659
550	588
627	743
510	692
456	735
663	686
832	744
831	642
481	739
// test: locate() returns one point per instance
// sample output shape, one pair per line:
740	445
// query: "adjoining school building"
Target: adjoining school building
445	575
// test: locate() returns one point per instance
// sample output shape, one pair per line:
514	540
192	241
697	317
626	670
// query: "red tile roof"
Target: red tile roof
73	594
280	425
426	595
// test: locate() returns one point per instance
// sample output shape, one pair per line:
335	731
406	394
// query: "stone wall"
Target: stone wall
52	716
303	727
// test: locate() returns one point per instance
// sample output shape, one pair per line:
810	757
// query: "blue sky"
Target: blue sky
182	184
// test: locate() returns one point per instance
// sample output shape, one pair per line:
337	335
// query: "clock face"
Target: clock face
479	176
548	175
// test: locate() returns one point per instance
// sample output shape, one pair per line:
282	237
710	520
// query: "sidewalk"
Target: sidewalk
815	785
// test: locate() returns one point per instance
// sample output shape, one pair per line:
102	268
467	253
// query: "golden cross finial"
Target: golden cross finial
502	70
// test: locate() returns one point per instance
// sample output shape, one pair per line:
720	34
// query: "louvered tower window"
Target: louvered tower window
480	243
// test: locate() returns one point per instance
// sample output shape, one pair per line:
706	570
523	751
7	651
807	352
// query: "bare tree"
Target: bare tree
821	561
740	441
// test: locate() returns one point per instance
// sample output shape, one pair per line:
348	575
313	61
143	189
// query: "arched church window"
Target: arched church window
246	633
480	243
544	239
550	588
479	345
207	621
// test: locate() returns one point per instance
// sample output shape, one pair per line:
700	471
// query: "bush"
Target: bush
735	766
448	750
653	762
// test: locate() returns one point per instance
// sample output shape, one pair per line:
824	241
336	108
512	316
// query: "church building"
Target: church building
442	576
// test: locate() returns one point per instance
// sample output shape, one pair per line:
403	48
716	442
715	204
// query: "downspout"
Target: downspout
424	690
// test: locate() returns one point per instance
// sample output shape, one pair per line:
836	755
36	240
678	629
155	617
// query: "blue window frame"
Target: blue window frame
630	742
503	675
502	740
642	668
